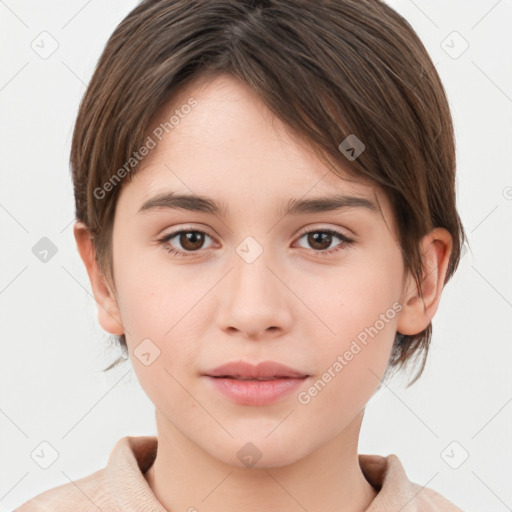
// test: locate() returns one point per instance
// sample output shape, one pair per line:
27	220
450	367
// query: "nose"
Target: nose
254	300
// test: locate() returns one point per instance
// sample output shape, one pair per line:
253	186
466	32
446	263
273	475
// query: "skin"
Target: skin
290	305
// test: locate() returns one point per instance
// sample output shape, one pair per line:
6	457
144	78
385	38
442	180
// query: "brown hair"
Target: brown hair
326	68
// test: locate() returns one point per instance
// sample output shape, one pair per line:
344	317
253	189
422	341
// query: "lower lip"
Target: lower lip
256	392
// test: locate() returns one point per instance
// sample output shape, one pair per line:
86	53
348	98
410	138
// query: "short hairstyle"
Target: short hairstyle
326	68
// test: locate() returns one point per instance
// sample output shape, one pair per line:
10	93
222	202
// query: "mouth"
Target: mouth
276	377
264	371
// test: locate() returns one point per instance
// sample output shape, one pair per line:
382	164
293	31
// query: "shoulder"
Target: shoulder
88	494
396	491
118	486
423	498
430	500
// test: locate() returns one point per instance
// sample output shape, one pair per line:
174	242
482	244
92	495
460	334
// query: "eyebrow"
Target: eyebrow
195	203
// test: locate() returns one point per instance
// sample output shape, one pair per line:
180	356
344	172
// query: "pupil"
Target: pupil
191	240
313	240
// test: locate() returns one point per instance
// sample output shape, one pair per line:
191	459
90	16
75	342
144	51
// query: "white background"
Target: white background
53	350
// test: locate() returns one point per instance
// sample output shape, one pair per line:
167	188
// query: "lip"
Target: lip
255	392
233	380
263	370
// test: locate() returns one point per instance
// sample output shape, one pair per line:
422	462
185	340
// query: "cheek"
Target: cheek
145	306
361	309
148	297
160	306
162	346
355	297
353	361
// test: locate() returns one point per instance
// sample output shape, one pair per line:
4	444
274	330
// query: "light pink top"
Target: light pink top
121	486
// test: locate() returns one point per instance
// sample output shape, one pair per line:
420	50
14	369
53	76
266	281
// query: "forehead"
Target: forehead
229	146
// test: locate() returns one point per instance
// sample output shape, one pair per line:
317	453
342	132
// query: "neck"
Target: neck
185	477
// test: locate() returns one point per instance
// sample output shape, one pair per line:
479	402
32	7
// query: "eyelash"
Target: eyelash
346	241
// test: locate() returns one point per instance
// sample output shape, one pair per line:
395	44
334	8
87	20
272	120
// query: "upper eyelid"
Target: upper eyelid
172	234
315	229
301	232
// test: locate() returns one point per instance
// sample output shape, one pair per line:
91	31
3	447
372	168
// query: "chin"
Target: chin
258	452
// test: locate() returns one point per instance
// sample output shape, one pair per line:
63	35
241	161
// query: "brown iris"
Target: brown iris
191	240
319	238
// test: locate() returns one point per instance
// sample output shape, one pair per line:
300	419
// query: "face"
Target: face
316	290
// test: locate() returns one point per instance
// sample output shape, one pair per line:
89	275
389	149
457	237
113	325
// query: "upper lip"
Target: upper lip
263	370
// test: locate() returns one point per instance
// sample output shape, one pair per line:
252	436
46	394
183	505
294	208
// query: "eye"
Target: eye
321	239
191	240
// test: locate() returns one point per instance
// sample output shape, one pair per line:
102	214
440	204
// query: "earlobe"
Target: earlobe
108	310
420	306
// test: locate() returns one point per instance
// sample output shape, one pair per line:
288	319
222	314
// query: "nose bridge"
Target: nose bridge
254	299
252	279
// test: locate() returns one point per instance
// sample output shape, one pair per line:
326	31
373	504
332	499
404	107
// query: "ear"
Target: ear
108	309
418	310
